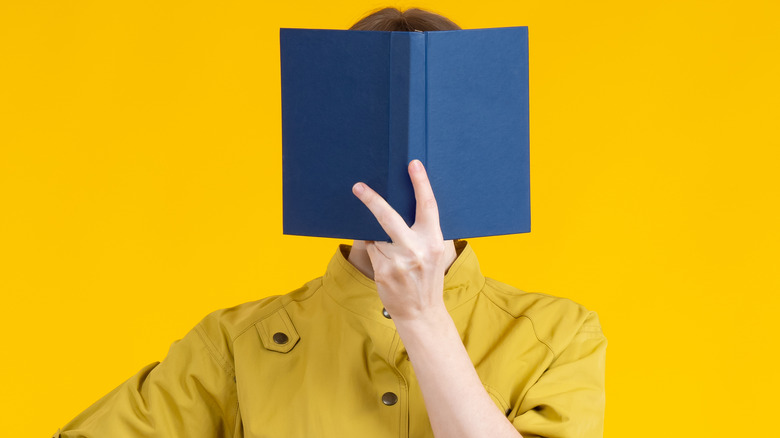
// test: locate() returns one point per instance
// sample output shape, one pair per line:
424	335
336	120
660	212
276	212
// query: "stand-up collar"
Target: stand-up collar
357	293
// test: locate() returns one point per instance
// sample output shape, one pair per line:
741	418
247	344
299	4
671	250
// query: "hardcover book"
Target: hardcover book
360	105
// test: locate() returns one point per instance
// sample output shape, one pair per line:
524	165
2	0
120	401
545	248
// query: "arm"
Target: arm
409	274
439	359
190	394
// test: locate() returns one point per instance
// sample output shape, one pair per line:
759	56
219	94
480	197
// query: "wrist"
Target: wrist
434	321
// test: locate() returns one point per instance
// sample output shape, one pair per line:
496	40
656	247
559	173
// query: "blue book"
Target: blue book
360	105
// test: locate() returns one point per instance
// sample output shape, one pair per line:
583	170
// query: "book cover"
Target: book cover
359	105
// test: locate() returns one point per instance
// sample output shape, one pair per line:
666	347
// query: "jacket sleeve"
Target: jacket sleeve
568	399
190	394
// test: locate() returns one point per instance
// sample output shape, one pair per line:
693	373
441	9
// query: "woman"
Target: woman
396	339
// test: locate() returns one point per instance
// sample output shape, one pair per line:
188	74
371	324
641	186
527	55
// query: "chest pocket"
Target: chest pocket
278	332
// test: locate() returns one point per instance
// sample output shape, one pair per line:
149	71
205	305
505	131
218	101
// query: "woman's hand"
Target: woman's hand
409	275
409	272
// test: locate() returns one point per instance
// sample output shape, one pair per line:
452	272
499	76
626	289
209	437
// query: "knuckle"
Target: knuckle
399	266
383	217
436	248
416	262
430	204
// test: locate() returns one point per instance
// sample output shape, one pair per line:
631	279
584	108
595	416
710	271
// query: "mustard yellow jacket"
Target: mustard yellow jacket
326	361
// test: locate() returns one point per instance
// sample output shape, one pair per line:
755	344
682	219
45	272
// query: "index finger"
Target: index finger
389	219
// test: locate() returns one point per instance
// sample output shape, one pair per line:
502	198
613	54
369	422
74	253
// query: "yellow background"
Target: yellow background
140	189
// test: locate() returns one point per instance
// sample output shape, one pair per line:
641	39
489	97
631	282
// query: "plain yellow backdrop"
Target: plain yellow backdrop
140	189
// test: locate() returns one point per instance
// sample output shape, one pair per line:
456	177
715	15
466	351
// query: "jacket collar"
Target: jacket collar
357	293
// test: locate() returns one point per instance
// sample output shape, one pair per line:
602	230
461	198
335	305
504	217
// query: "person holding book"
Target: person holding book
404	338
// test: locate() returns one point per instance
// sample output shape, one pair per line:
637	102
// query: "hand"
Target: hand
409	272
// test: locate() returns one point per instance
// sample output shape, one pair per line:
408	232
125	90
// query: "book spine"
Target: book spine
418	100
406	123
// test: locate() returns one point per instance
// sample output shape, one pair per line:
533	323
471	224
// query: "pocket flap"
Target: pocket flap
278	332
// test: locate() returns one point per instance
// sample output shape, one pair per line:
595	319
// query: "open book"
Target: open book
359	105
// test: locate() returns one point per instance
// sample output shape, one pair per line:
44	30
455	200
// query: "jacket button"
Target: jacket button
385	314
389	398
280	338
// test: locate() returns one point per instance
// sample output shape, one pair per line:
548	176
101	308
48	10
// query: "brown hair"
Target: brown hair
393	19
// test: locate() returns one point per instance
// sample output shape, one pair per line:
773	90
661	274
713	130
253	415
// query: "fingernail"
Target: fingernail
416	164
358	188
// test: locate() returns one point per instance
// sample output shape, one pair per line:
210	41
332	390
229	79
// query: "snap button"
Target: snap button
389	398
277	332
385	314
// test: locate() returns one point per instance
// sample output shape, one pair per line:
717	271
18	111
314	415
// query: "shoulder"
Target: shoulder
556	320
221	327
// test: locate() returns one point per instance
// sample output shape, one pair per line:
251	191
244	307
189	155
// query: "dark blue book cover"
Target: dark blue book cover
359	105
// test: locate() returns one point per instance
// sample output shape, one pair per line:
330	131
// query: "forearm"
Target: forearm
458	404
